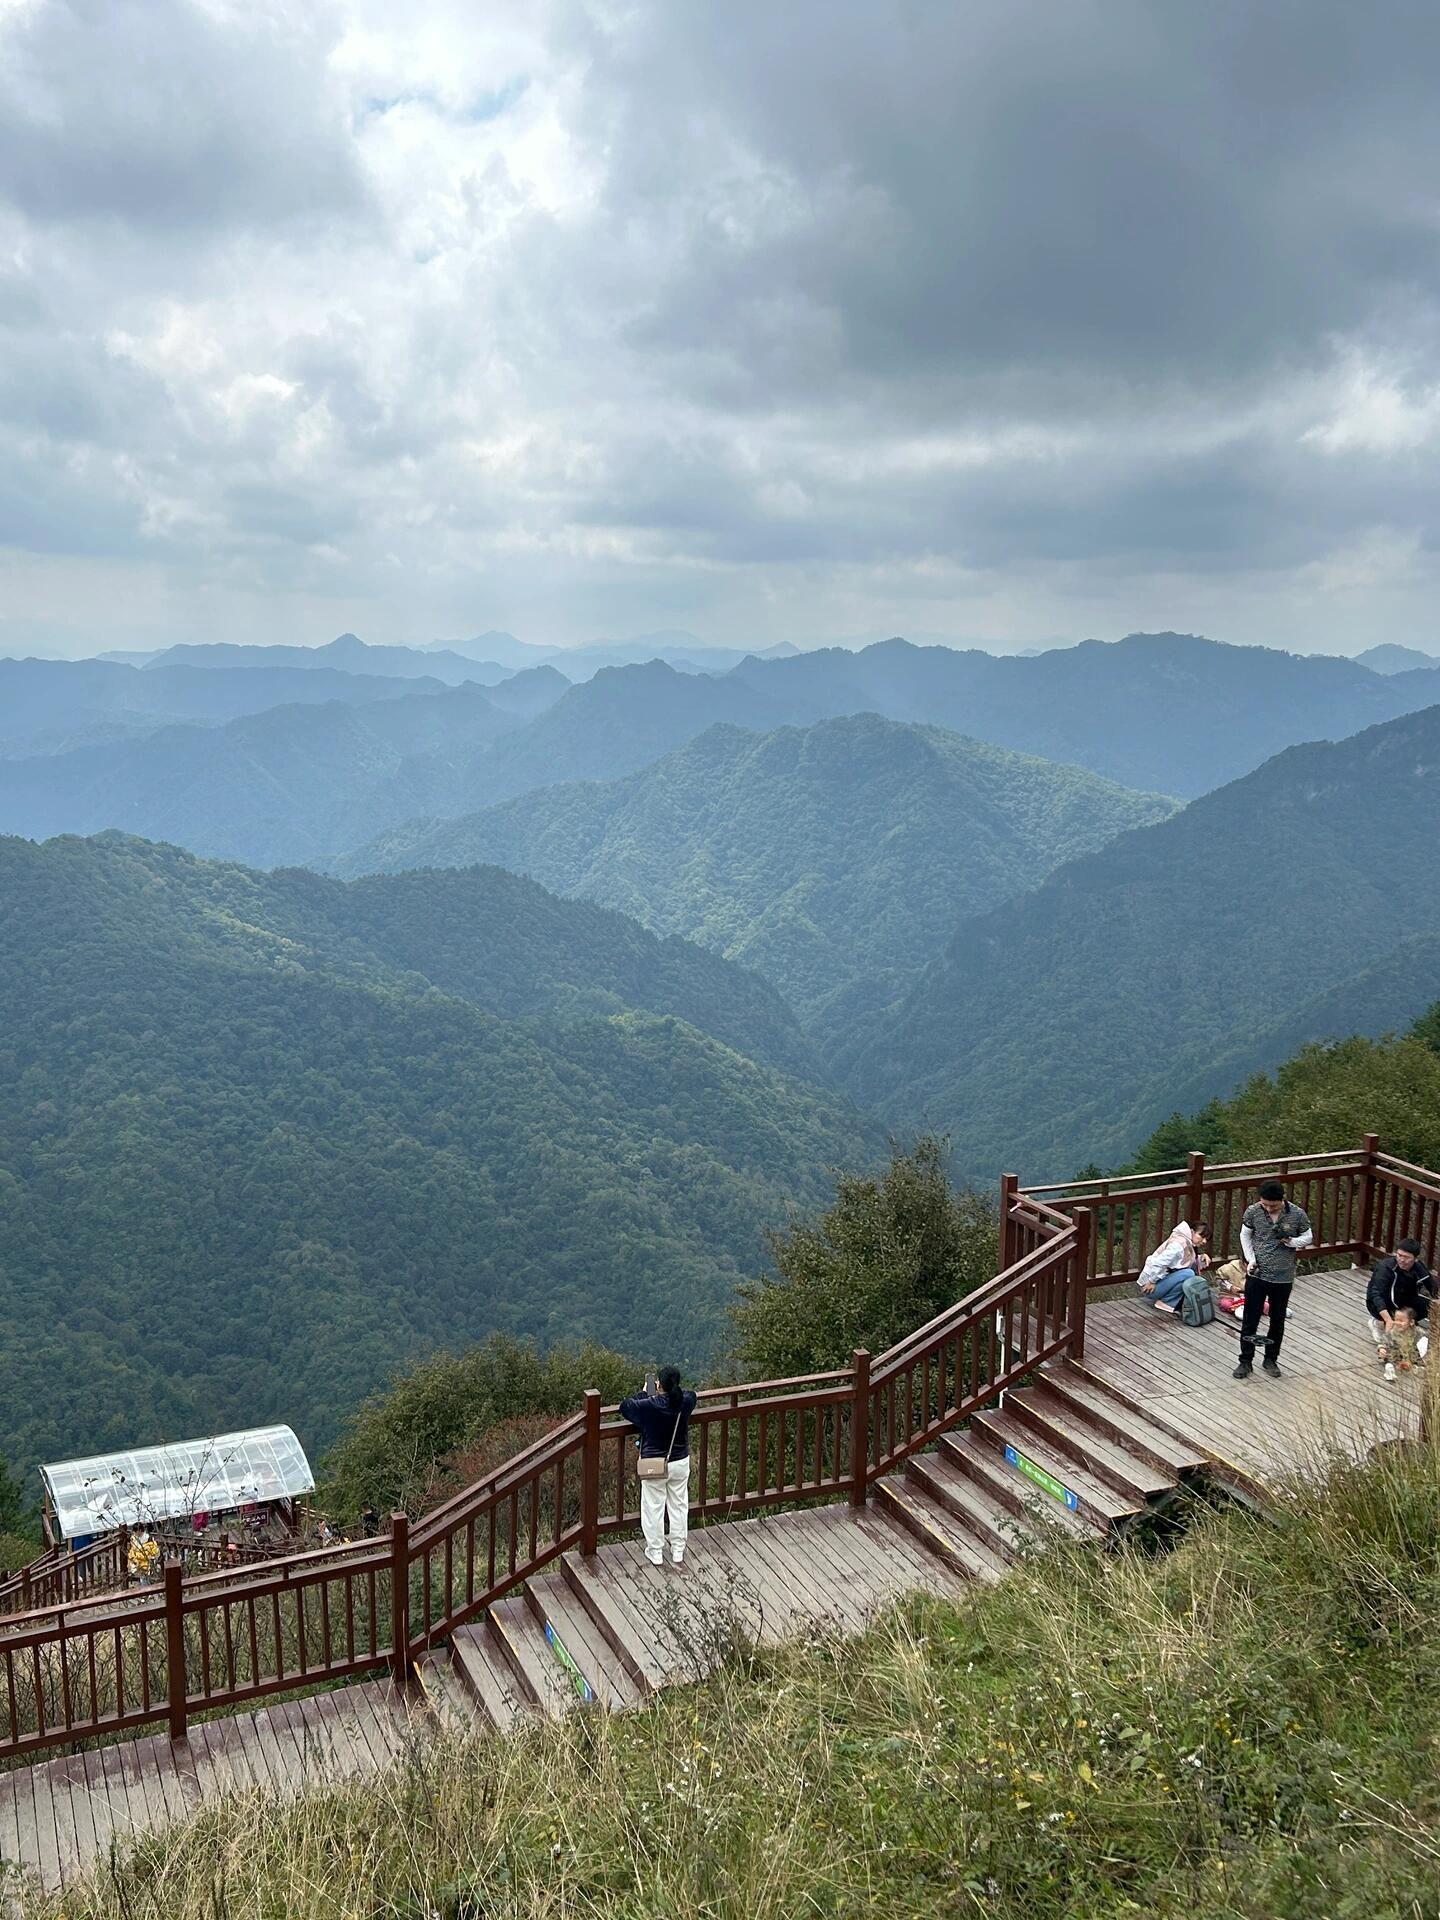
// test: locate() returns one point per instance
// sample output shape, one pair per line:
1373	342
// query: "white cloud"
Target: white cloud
1376	410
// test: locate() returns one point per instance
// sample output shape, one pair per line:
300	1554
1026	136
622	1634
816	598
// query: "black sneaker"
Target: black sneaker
1243	1371
1272	1367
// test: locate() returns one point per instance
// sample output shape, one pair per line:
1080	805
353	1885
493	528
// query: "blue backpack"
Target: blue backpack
1197	1305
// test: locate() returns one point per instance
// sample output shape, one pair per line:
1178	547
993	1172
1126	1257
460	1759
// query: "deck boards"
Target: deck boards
818	1569
1330	1399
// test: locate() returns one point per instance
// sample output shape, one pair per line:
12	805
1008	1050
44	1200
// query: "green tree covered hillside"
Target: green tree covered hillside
254	1156
1329	1096
1298	903
832	859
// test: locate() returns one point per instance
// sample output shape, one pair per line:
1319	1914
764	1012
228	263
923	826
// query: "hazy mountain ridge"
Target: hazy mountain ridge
833	859
1156	713
1164	713
50	706
296	784
347	651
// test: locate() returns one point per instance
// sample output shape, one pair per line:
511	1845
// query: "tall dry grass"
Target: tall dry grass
1247	1726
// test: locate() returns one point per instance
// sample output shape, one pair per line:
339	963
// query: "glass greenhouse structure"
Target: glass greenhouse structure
140	1489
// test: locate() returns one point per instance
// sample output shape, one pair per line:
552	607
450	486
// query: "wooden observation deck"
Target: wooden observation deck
1039	1400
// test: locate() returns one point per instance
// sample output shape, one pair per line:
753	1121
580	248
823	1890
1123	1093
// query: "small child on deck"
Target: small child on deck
1401	1346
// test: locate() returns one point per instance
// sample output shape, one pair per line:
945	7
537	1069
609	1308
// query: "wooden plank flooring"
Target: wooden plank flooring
1331	1397
57	1817
633	1627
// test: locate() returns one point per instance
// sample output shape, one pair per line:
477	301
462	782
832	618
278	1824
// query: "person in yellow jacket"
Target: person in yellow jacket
143	1558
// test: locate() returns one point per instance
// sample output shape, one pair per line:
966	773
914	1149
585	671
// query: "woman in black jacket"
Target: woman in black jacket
663	1422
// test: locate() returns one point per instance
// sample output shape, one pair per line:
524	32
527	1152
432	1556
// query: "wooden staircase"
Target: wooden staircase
1065	1456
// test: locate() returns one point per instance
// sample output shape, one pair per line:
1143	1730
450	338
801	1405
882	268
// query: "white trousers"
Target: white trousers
659	1498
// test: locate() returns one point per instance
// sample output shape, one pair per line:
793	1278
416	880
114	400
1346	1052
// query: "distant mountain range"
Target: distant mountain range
681	650
1159	713
347	652
262	1137
51	706
1299	902
295	784
1166	713
833	859
1392	659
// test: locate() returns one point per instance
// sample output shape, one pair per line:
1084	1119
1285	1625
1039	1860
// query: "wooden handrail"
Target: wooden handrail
1387	1162
309	1618
460	1505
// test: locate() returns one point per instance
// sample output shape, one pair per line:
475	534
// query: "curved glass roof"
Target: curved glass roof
165	1483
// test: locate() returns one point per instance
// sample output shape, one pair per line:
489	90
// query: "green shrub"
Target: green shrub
885	1258
397	1447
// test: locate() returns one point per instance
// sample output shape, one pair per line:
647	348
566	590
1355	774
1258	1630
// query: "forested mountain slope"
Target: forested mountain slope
834	859
1327	1095
1060	1028
262	1137
1164	712
619	721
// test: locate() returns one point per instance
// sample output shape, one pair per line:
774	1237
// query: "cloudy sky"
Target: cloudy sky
811	317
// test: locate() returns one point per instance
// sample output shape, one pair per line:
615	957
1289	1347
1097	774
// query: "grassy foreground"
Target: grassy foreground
1248	1726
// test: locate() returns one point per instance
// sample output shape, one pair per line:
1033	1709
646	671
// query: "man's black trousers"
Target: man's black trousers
1256	1291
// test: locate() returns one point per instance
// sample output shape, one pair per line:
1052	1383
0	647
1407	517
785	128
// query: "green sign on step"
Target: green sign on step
568	1662
1041	1478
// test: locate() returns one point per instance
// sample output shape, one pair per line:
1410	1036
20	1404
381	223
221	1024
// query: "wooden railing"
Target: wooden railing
59	1576
1359	1204
76	1669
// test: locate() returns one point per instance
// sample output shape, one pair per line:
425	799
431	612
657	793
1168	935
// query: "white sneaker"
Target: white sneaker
655	1559
677	1559
1162	1306
1389	1369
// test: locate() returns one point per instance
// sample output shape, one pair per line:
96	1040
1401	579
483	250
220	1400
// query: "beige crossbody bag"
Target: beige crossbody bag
651	1466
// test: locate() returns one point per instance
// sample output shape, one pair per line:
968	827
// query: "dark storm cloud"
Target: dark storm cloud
1142	189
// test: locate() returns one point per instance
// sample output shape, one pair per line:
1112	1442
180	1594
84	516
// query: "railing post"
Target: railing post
175	1681
1195	1189
1367	1195
1084	1221
1009	1187
590	1475
400	1597
860	1428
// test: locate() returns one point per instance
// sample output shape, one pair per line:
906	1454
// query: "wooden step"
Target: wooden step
1001	1532
1097	1502
636	1651
479	1663
562	1615
1114	1417
1074	1435
544	1682
980	1462
447	1695
906	1500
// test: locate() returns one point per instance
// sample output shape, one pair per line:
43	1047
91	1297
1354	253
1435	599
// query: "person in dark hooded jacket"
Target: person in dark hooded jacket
1400	1282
